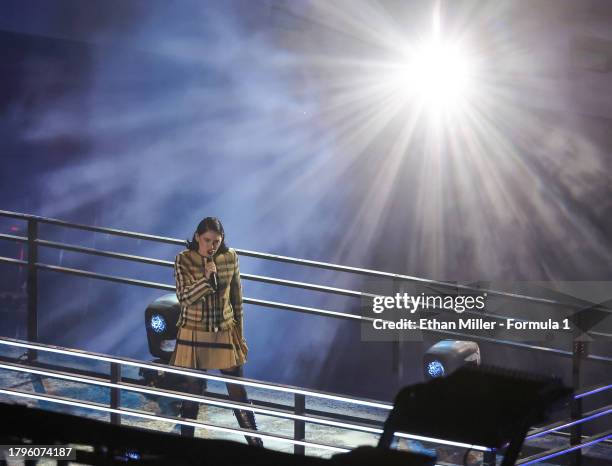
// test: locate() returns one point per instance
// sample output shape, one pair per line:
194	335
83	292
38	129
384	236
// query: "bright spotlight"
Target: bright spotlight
440	73
436	74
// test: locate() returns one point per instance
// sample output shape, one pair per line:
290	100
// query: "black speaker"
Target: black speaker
161	317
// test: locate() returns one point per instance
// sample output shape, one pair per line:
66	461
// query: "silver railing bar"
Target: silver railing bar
245	276
238	405
9	260
78	226
393	276
552	453
596	413
19	239
279	412
593	389
292	307
259	278
193	373
99	252
197	398
269	411
101	276
285	259
567	434
134	413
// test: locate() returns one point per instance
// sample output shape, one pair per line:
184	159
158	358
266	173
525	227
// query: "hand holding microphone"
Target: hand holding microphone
210	272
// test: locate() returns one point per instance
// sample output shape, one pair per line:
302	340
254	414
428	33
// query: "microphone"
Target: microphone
214	280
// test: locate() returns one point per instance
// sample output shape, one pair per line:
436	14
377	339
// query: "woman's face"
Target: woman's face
209	242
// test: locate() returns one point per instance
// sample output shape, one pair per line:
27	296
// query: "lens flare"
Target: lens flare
436	74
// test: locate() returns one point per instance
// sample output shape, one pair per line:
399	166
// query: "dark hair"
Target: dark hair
208	224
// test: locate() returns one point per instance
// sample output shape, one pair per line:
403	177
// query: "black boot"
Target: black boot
187	431
246	420
189	410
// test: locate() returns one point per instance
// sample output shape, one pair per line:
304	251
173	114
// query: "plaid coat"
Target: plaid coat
198	300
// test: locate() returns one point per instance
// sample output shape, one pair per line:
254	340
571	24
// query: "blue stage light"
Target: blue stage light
435	369
158	323
446	356
132	455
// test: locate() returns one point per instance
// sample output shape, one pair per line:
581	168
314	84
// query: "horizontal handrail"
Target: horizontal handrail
80	226
370	418
10	260
19	239
554	428
564	450
284	413
208	400
102	253
593	390
291	260
290	283
394	276
197	398
302	309
193	373
241	381
437	286
244	276
596	413
236	405
173	420
561	433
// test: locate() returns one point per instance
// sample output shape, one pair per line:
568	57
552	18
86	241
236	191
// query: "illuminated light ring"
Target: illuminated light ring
132	455
158	323
435	369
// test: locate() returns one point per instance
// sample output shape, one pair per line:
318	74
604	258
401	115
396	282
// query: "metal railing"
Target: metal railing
299	414
34	242
578	353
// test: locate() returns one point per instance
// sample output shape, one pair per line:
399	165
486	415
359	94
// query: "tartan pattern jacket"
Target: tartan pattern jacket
198	300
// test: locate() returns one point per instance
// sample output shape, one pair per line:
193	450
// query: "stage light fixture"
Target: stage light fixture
447	356
161	317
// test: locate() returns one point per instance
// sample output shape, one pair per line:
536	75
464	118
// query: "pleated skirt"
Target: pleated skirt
199	349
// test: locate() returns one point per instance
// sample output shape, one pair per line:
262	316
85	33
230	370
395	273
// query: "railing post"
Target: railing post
32	287
579	350
115	395
299	426
396	358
